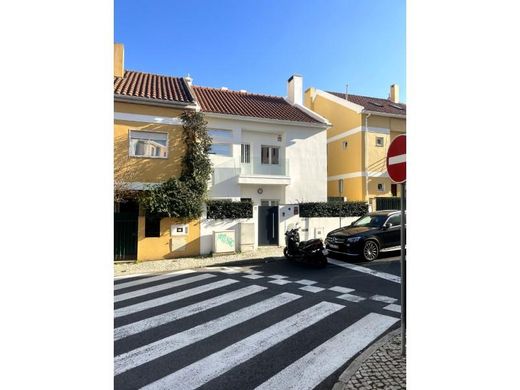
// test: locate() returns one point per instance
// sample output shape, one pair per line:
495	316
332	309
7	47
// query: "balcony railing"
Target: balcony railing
255	167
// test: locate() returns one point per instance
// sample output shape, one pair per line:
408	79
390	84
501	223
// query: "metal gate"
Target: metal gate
125	231
388	203
267	225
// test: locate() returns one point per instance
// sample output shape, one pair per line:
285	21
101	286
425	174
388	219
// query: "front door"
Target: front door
267	225
125	231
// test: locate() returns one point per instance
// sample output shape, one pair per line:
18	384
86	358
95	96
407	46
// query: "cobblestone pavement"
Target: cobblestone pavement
384	369
131	268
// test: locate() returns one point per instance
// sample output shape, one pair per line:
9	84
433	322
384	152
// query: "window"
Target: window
148	144
393	188
245	153
380	141
340	186
270	155
395	220
266	202
221	135
220	149
344	144
380	187
152	226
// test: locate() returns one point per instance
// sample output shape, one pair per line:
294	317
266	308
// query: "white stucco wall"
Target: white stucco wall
304	147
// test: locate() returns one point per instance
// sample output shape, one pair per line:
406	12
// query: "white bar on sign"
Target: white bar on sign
397	159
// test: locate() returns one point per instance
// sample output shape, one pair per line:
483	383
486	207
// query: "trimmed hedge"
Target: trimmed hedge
333	209
226	209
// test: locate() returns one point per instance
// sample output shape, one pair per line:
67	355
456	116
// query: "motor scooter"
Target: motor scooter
310	251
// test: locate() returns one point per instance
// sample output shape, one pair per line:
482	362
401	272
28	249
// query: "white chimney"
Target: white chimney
295	89
189	80
394	93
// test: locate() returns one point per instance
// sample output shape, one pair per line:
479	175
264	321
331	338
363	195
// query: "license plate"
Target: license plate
334	246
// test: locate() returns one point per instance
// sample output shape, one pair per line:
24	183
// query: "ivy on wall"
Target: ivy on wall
183	197
333	209
223	209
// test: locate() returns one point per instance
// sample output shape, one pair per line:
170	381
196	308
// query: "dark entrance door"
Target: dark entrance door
125	231
267	225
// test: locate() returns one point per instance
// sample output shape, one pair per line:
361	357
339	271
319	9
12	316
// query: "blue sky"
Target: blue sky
257	45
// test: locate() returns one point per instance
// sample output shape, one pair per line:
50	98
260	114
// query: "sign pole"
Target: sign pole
403	269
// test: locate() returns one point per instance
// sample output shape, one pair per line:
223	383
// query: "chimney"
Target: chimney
295	89
119	60
394	93
189	80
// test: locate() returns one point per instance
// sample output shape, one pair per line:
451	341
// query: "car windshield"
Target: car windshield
371	221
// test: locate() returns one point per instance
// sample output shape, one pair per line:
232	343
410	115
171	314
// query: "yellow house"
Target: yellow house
148	149
362	129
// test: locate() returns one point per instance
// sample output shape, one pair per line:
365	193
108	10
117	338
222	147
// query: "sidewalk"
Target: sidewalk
381	366
267	253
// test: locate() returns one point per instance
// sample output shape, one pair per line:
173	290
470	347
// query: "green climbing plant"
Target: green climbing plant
183	197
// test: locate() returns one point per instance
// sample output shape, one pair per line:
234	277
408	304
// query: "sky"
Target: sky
257	45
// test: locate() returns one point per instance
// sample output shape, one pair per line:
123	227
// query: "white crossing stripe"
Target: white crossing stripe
253	276
277	276
151	279
210	367
124	311
312	289
310	370
383	298
351	298
252	271
160	287
144	354
383	275
280	282
342	290
306	282
393	307
397	159
161	319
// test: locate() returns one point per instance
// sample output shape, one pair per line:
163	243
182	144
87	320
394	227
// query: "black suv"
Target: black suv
368	236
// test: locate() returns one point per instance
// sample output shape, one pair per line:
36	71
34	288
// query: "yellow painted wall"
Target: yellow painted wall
352	188
341	161
143	169
157	248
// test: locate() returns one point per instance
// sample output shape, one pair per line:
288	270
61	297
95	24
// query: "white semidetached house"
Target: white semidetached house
267	149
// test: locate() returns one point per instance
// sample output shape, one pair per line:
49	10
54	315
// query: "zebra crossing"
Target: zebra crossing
225	330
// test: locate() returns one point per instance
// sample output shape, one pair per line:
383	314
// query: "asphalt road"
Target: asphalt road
270	325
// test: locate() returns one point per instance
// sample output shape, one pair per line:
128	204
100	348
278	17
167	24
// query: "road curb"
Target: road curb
181	264
365	355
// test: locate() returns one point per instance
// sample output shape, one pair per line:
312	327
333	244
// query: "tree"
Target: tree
183	197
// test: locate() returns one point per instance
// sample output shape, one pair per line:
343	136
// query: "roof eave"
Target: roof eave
266	120
384	114
154	102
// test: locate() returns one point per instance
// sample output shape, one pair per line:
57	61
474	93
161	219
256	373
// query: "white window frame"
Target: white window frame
223	137
230	149
131	152
270	154
381	184
341	186
242	149
382	139
270	202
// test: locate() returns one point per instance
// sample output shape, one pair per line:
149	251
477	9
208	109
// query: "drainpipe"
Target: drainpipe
366	157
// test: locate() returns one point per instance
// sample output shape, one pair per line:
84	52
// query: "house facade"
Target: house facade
148	149
268	150
357	141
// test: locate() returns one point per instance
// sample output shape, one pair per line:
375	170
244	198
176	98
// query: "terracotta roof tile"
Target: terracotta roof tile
381	105
248	104
152	86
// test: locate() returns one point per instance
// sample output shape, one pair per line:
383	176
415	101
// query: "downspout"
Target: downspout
366	156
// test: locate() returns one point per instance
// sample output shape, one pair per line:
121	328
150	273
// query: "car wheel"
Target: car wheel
370	250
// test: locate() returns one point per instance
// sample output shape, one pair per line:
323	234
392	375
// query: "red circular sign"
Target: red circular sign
396	159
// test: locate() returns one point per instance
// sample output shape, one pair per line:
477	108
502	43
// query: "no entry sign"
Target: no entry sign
396	159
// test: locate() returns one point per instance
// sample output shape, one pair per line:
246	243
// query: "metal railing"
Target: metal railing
255	167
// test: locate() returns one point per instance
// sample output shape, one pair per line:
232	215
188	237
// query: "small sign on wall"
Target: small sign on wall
179	230
296	210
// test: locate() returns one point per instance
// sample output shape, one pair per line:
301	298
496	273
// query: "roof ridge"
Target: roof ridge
367	97
151	74
238	92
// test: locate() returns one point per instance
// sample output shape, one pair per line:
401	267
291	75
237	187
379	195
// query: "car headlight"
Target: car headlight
353	239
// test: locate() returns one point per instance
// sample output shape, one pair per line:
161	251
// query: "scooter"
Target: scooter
310	251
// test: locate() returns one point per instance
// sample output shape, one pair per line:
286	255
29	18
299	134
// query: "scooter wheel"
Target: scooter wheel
287	254
322	263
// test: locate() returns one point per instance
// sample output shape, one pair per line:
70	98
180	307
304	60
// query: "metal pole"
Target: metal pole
403	269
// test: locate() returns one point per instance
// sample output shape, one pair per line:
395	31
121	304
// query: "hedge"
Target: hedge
333	209
226	209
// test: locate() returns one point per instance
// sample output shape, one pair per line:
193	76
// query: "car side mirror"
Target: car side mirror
387	225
